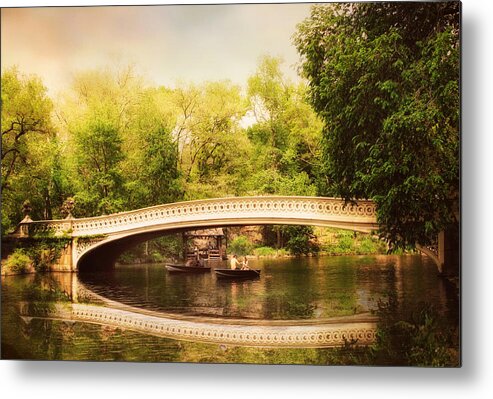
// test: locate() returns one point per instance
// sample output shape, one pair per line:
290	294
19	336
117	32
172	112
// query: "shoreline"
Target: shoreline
143	261
273	256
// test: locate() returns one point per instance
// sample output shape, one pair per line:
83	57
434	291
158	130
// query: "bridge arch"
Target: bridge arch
107	251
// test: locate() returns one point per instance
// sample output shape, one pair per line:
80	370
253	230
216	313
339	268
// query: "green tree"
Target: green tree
299	239
98	146
30	149
26	111
213	148
385	80
286	135
151	163
97	117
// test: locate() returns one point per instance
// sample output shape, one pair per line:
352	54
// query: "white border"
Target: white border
22	379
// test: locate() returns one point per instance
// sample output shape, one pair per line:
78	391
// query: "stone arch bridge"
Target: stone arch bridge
96	242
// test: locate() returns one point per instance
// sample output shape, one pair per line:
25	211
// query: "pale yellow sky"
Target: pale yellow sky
166	44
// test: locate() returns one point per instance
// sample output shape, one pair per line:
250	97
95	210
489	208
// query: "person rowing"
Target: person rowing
235	264
244	265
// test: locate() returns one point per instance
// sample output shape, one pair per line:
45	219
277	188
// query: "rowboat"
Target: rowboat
237	273
181	268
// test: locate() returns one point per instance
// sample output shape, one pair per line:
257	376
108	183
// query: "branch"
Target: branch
9	171
11	128
13	149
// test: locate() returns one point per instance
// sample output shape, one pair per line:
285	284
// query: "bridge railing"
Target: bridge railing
42	227
263	207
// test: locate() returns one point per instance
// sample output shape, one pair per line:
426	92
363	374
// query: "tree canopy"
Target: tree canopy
286	135
384	78
30	160
112	143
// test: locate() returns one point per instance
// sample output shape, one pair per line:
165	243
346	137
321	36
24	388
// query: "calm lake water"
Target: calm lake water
288	289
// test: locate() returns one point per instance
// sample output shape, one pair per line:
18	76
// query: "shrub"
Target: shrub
157	257
264	251
282	252
346	244
299	245
299	239
241	246
45	250
368	245
18	262
127	258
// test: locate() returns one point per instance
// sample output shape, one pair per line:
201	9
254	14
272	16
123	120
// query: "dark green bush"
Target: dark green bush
17	263
240	246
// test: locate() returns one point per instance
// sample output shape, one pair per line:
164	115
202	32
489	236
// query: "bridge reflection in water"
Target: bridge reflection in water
335	308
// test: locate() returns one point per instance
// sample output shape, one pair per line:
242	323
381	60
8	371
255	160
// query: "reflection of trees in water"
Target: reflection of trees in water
409	280
107	332
46	287
242	298
33	294
27	296
415	334
290	292
61	340
307	288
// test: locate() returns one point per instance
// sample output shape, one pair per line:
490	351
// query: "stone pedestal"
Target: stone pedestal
65	262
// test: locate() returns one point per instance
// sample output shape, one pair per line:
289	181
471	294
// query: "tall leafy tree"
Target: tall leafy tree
97	117
212	146
151	165
286	135
29	149
384	77
26	113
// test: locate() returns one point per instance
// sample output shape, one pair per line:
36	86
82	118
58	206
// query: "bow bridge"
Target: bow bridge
98	241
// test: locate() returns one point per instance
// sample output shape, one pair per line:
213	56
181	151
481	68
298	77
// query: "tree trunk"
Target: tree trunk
47	213
279	237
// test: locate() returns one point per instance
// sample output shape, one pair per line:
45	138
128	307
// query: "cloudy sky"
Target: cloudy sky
166	44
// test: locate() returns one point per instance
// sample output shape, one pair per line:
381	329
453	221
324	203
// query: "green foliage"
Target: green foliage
7	225
270	181
17	263
30	149
44	251
213	147
90	237
25	117
118	145
299	239
240	246
151	164
285	137
154	251
384	79
97	139
370	245
157	257
122	154
265	251
417	338
345	242
129	257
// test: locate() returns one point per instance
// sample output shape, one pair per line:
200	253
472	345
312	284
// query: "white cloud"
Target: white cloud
167	43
